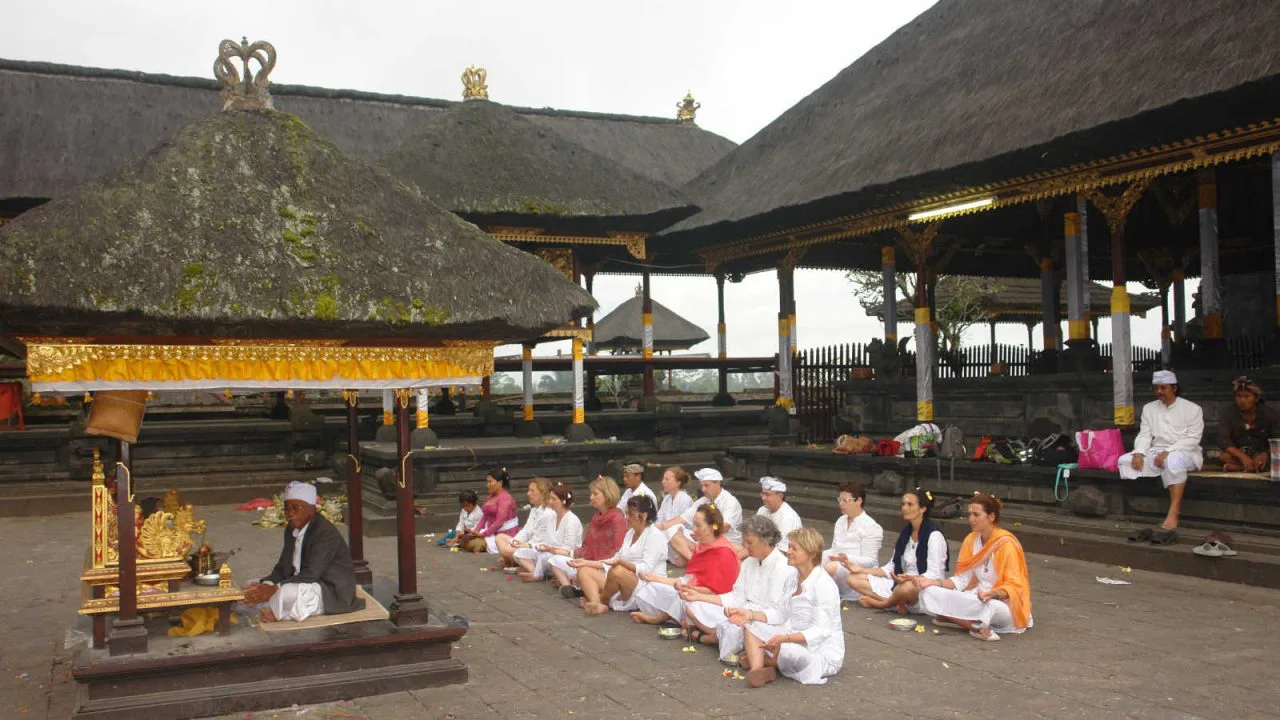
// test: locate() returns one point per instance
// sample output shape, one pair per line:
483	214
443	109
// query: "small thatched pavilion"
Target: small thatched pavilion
248	253
622	329
580	211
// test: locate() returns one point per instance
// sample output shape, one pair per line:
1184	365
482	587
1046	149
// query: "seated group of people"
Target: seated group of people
764	589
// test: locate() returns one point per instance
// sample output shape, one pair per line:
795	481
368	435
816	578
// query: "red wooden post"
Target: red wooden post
355	491
128	634
408	608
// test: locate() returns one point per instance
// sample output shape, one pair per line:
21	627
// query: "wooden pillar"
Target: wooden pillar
991	327
722	398
1031	336
408	607
1210	288
1166	331
355	491
1180	305
486	388
128	634
786	396
888	277
925	347
646	310
526	373
1077	285
1275	226
1049	304
590	279
578	430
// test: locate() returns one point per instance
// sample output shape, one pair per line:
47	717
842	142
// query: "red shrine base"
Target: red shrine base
251	670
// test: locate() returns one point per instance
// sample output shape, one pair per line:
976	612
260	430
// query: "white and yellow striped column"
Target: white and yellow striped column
388	408
1121	358
924	364
1210	287
422	420
579	412
888	275
526	371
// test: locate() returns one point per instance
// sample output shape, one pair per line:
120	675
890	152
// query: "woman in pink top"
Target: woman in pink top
498	514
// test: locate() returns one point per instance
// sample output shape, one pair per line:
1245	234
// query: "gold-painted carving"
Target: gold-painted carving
473	83
1115	208
224	577
633	242
249	91
560	258
687	109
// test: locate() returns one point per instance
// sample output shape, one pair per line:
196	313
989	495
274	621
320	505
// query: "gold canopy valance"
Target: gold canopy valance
73	365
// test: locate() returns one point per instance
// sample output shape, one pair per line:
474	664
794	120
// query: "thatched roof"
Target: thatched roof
624	328
483	159
65	125
249	224
974	91
1018	300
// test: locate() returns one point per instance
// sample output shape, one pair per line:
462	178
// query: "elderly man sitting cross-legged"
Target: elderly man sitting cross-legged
314	574
1168	446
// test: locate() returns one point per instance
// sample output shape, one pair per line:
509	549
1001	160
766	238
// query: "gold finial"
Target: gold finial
687	109
473	83
224	577
99	474
239	93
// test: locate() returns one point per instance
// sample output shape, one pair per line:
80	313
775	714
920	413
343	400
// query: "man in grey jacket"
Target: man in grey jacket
314	574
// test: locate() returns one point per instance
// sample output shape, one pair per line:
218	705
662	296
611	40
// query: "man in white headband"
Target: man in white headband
774	505
1168	446
713	492
314	574
633	481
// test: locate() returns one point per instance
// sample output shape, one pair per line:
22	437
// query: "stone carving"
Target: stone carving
249	91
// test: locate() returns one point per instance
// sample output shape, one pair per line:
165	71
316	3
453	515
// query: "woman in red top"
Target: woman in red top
600	541
712	570
498	514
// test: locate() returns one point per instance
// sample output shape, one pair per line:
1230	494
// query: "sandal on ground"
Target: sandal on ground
1141	535
991	636
937	622
763	676
1214	549
570	592
1163	537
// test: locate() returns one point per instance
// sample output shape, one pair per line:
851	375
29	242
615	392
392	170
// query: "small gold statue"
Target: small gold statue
224	576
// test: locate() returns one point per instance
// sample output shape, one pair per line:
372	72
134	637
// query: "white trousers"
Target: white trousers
795	661
654	598
1174	472
965	605
296	601
491	542
561	562
842	573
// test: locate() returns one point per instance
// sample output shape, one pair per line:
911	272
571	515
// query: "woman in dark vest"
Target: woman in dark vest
920	550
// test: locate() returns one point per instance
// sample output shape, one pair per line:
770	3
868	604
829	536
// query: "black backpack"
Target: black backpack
1054	450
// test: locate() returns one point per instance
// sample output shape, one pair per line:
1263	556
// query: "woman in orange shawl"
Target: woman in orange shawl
990	593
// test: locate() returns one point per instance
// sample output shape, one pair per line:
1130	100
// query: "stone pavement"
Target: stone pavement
1165	647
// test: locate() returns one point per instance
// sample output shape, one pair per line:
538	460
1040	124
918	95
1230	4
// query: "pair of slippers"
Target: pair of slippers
1158	536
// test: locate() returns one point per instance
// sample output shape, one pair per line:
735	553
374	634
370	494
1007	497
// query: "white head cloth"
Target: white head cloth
306	492
772	484
633	468
709	475
1164	377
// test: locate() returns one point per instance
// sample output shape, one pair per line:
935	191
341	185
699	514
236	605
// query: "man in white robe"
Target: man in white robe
1168	446
633	484
314	574
774	505
712	484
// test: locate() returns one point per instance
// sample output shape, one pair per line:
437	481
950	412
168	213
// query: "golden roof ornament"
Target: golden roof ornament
473	83
249	91
687	109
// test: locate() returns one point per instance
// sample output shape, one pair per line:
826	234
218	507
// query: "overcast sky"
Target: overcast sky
746	62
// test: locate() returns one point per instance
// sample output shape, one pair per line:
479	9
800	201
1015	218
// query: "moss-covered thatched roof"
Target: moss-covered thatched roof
249	224
483	159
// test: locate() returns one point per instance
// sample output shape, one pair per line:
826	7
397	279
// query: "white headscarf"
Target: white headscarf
772	484
306	492
1164	377
709	475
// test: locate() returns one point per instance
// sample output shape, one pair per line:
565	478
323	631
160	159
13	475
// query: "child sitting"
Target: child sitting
468	517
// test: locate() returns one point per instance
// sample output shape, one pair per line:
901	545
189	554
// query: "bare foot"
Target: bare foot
595	608
647	619
527	577
266	616
902	608
867	601
761	677
709	638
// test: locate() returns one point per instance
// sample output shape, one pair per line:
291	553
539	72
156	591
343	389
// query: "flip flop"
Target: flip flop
1163	537
1208	549
1141	535
990	637
1224	548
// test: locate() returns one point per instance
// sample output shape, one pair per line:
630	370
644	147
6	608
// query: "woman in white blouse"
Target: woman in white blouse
803	638
920	550
536	529
763	580
675	500
564	534
611	584
856	540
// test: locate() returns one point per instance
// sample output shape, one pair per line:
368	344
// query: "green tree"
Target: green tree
962	300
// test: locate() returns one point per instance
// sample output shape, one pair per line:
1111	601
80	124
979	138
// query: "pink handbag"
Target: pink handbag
1100	449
